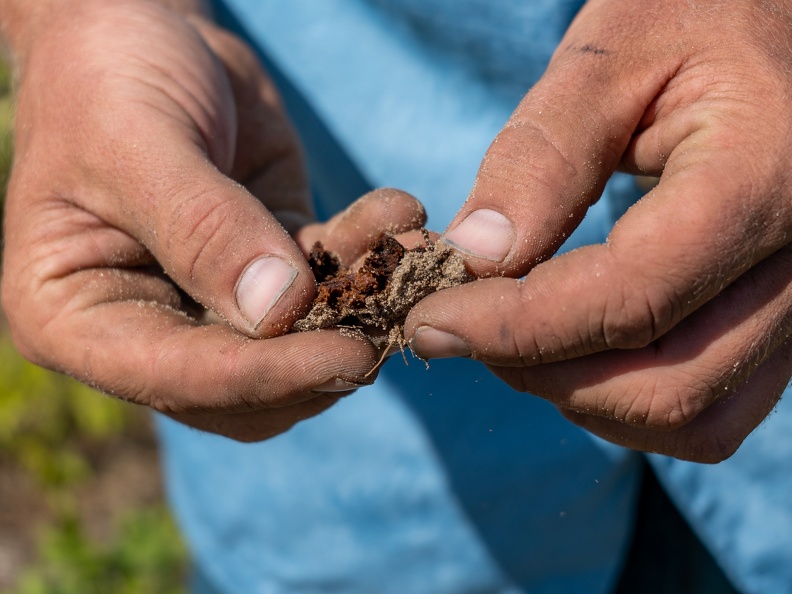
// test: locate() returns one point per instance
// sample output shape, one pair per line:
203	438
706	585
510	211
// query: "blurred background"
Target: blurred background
81	502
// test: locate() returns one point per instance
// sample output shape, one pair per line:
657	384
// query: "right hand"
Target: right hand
122	217
673	336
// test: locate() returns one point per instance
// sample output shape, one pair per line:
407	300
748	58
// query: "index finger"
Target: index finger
126	333
670	254
147	352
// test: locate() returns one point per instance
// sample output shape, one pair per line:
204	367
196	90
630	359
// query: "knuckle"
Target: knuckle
682	394
635	316
507	163
197	231
659	404
668	412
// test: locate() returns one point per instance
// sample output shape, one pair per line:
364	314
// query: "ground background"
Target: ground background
81	503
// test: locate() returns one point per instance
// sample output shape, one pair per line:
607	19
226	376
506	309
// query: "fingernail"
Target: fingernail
264	282
483	233
337	385
429	343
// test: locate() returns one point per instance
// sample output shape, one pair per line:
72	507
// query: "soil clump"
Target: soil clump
377	297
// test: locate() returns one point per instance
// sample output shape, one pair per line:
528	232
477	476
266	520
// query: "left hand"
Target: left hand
673	336
153	164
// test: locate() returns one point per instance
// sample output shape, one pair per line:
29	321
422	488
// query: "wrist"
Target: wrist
22	22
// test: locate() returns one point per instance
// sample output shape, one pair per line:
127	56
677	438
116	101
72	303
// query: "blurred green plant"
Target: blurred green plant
48	426
145	557
5	132
5	80
46	423
45	418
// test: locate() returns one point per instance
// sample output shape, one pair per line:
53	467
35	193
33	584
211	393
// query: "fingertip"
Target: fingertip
399	210
350	233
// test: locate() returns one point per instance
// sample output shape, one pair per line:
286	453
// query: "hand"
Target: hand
672	337
122	217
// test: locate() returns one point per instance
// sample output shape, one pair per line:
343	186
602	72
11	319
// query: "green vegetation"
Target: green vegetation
140	559
5	136
52	429
45	419
57	438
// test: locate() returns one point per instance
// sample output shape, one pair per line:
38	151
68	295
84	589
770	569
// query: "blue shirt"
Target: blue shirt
441	480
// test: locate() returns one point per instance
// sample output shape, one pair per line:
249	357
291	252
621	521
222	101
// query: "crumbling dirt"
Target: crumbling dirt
377	297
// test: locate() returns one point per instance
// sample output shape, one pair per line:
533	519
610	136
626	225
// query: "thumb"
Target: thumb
149	144
552	159
228	252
